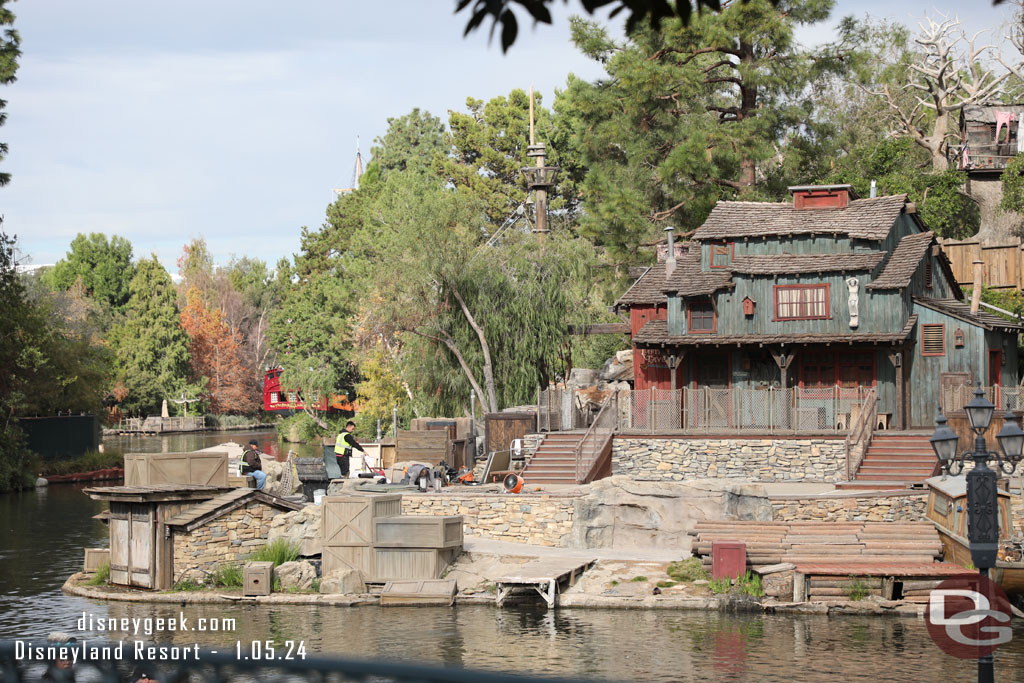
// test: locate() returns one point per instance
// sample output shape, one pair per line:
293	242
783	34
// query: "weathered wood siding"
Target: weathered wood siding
639	316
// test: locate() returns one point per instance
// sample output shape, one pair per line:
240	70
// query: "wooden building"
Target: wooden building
829	296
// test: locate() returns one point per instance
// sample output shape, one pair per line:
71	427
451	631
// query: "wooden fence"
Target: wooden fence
1004	263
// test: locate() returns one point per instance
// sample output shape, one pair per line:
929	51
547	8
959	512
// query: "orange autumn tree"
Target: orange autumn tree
217	355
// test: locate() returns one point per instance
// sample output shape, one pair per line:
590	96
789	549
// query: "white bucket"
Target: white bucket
318	495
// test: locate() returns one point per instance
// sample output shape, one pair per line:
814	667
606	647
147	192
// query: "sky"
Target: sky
233	120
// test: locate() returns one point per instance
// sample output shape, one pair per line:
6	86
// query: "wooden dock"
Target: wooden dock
545	575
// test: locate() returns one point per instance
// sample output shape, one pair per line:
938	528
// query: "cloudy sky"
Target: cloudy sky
233	120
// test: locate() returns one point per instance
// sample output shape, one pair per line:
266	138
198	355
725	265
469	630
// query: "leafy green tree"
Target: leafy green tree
1013	185
10	43
103	266
895	163
689	114
151	349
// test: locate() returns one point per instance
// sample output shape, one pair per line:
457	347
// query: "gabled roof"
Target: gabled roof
647	288
961	310
198	515
655	333
862	218
689	280
772	264
900	267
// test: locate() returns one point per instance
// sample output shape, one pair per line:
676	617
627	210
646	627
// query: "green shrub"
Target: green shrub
638	579
665	584
93	460
690	569
278	552
750	584
858	589
227	575
188	585
315	586
17	464
614	582
101	576
226	421
723	585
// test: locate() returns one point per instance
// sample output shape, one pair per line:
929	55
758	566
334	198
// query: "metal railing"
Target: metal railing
861	431
706	409
562	409
953	399
983	156
206	665
161	424
597	437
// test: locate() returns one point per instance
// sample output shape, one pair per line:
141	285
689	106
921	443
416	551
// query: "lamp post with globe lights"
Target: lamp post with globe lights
982	495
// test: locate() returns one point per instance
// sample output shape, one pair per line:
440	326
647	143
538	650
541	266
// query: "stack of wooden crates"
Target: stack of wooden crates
368	533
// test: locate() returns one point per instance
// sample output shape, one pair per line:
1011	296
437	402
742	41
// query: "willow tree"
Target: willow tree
469	313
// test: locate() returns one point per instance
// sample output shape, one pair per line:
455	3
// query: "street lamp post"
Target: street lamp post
982	496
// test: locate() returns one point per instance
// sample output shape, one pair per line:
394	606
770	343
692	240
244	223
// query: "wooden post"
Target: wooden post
896	358
783	360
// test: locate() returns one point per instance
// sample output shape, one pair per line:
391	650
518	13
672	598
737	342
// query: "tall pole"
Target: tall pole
983	527
541	193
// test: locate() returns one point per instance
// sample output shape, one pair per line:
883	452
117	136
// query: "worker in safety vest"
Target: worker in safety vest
343	446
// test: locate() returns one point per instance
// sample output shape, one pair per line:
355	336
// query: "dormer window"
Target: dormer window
721	254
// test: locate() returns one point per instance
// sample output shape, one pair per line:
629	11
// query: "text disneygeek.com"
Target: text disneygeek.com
150	625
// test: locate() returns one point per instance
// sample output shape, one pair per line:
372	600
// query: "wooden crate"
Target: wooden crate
151	469
423	592
96	558
411	563
257	578
423	531
429	447
345	557
348	520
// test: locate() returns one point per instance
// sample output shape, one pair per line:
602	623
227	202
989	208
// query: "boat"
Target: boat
947	510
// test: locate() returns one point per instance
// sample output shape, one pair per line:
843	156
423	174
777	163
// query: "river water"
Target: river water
42	534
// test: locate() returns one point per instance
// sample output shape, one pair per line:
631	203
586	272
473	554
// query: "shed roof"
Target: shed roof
154	492
987	113
198	515
772	264
646	289
862	218
655	333
954	487
689	280
961	310
904	261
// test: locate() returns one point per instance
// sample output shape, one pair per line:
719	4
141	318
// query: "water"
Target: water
42	534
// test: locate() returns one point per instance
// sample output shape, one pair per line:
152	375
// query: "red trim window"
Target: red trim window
933	340
802	302
700	317
722	254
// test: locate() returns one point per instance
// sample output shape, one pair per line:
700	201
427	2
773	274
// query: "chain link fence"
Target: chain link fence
953	399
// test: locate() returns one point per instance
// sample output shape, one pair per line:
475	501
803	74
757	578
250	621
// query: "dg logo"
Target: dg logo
969	616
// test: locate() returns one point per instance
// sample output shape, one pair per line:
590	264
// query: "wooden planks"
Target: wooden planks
544	575
423	446
428	592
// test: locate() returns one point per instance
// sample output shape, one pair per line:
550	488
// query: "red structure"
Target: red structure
728	559
283	400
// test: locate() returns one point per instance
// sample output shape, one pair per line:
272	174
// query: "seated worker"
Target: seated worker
251	464
343	447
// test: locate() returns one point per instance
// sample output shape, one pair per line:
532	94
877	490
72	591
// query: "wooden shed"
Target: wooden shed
206	468
502	429
141	553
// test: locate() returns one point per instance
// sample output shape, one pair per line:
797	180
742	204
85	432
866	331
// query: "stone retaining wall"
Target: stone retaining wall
540	520
677	459
903	507
228	539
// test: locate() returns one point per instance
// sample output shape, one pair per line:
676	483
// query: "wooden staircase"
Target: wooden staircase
895	460
554	462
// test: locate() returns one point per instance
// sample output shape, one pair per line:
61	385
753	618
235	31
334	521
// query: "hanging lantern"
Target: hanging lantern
958	338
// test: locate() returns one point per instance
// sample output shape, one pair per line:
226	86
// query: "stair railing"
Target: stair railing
597	437
861	431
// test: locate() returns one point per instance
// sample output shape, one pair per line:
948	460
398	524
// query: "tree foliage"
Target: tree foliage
151	349
216	353
10	50
103	267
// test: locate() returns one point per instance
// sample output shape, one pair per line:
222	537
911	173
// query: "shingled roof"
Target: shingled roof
689	280
900	267
647	288
863	218
655	333
198	515
771	264
962	311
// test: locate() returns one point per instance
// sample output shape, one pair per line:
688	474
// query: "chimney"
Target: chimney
822	196
979	273
874	189
670	257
